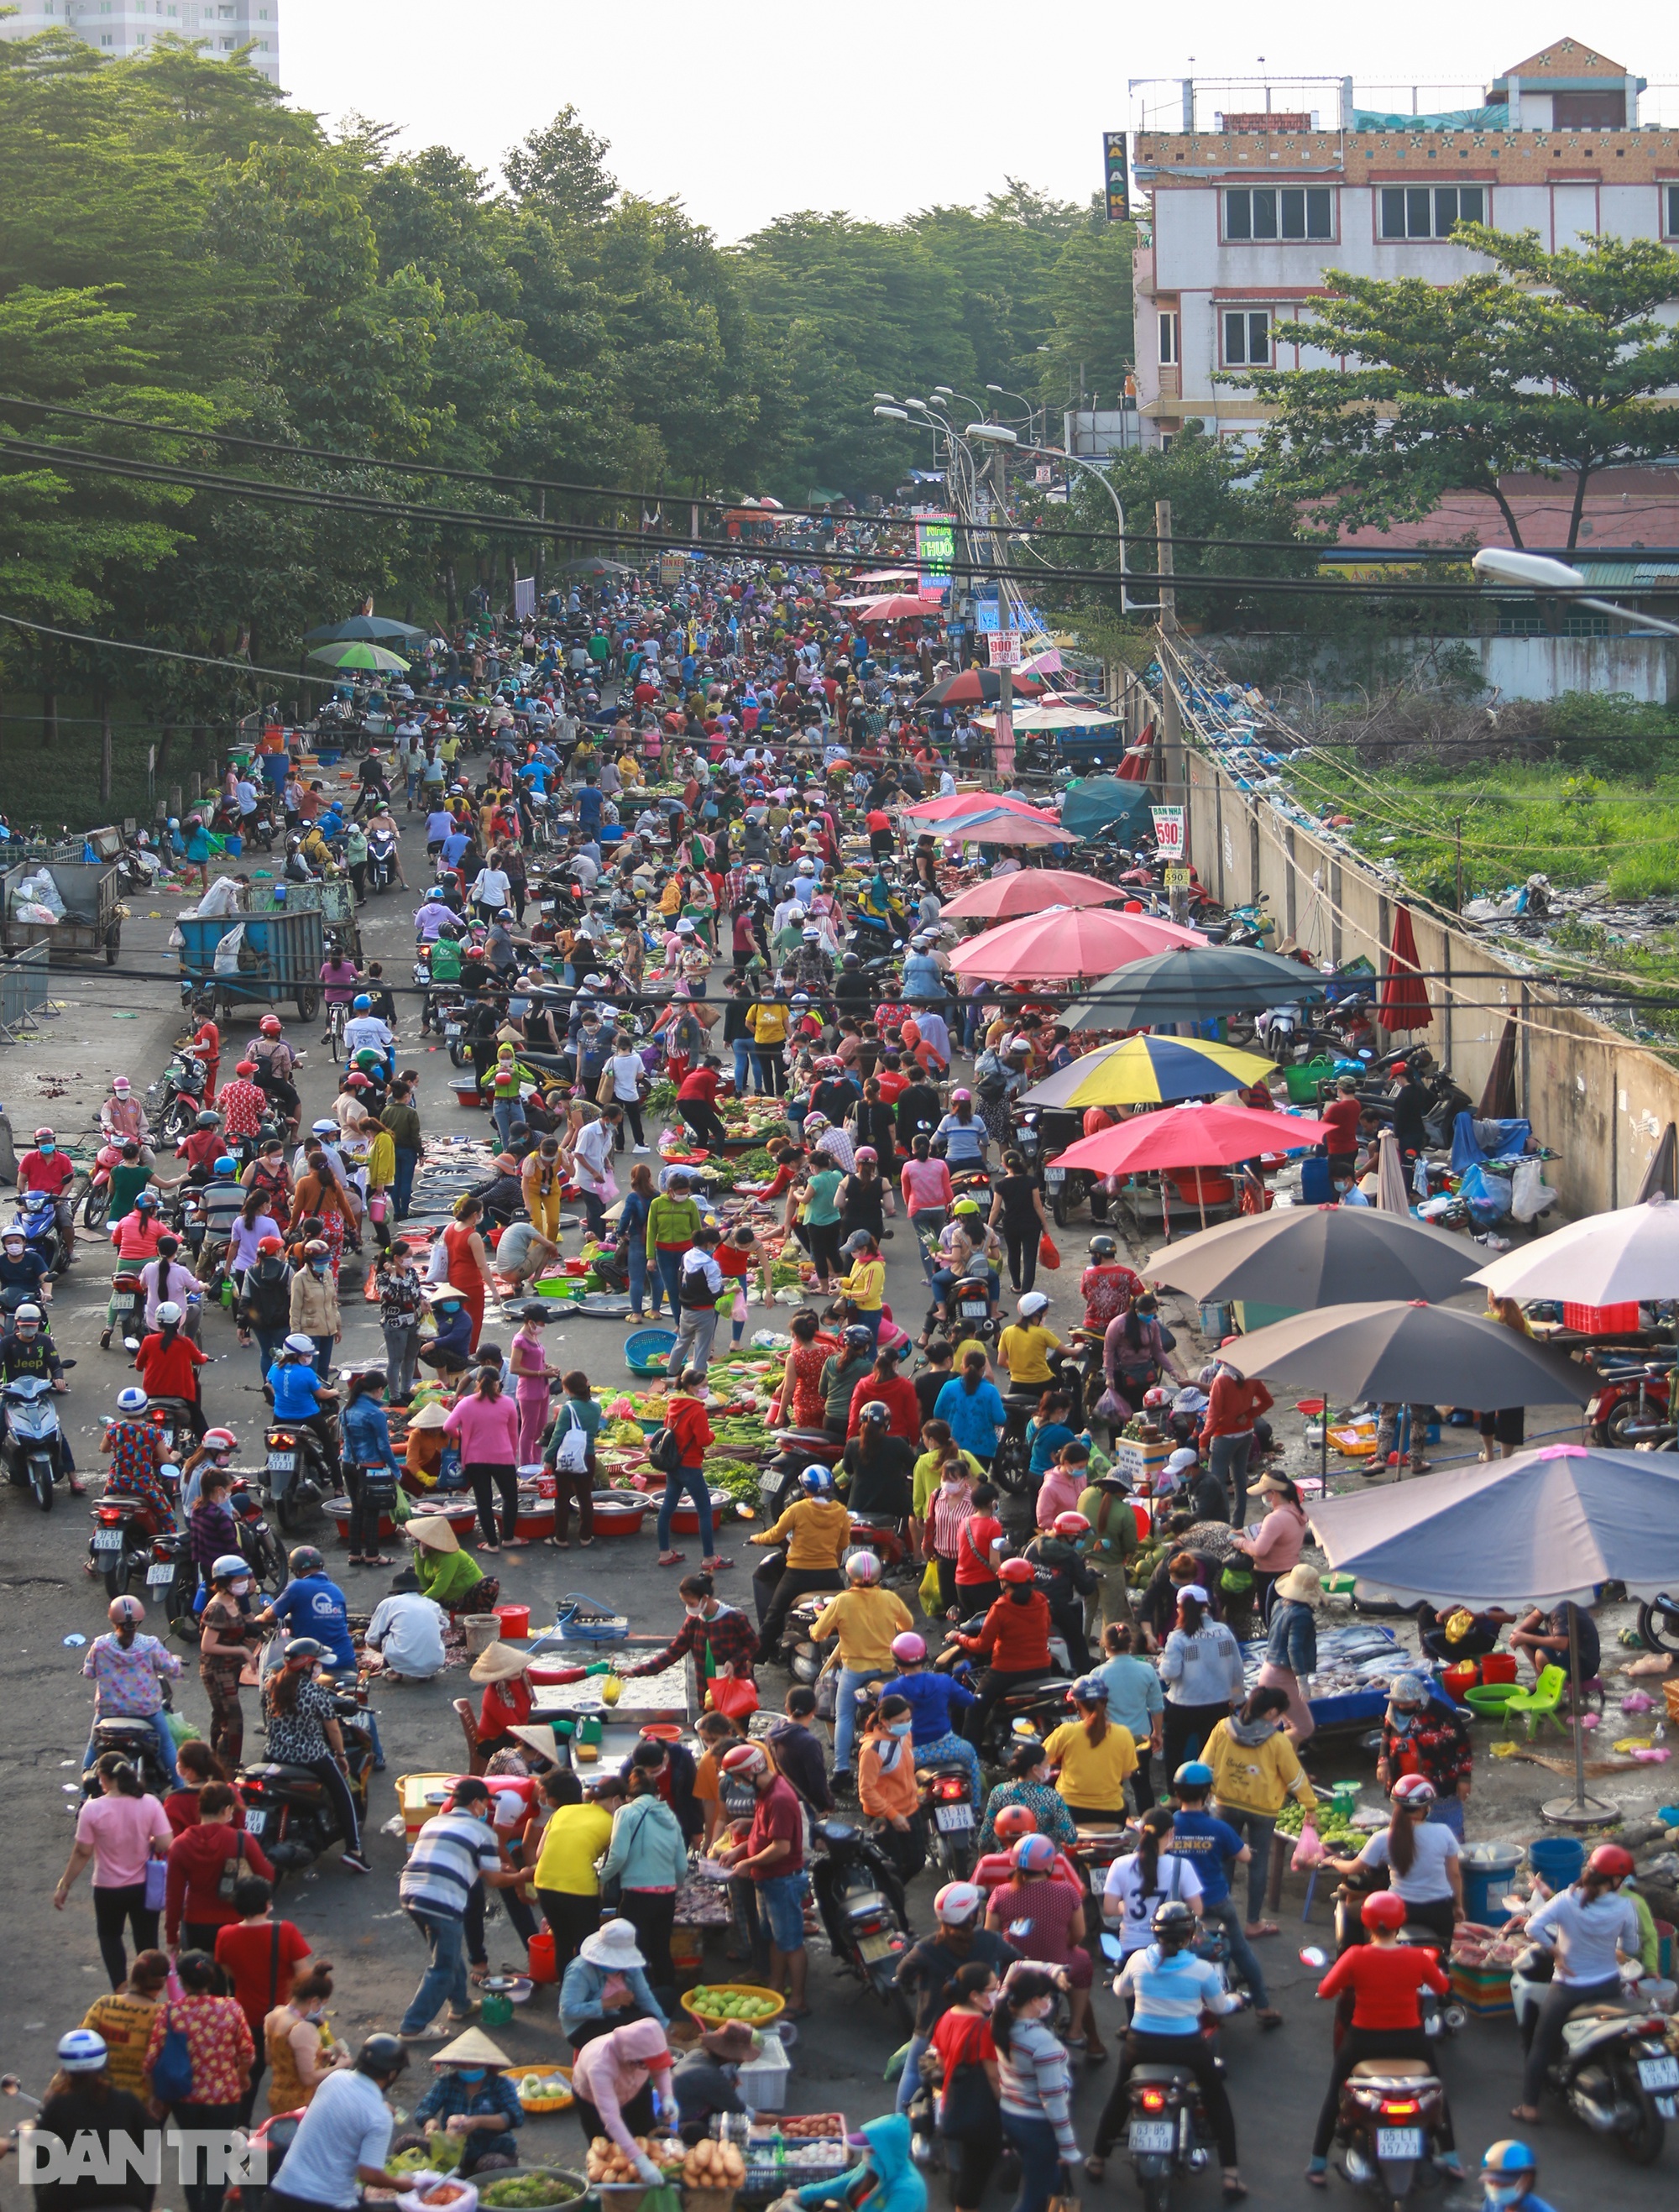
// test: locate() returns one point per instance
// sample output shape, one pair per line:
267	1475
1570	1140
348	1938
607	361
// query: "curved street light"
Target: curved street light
1504	564
999	434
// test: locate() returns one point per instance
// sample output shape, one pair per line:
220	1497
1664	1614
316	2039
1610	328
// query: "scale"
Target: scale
501	1993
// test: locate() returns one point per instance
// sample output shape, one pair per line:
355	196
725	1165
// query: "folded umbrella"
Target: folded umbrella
1307	1256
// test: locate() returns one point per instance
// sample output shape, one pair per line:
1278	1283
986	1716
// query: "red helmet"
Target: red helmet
357	1082
1414	1792
269	1025
1013	1822
1384	1908
1016	1571
1610	1861
268	1246
1071	1526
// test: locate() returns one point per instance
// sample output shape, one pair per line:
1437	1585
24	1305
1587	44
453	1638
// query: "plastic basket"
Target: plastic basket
1301	1082
1601	1320
562	2103
641	1344
739	1990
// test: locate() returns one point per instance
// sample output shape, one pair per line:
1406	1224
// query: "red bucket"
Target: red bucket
540	1950
1499	1667
515	1621
1463	1676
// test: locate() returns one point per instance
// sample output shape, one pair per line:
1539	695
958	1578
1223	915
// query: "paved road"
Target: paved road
51	1963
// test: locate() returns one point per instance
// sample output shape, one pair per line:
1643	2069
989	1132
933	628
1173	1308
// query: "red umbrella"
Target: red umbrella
968	687
1133	763
1403	1003
1191	1137
899	607
962	803
1029	891
1067	941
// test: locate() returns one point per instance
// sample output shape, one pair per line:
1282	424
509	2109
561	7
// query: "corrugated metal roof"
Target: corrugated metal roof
1627	576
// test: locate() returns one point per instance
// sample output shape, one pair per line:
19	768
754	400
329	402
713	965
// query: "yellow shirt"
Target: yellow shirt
1023	1352
125	2022
1256	1777
925	1479
571	1842
866	1621
866	1285
670	899
818	1535
1092	1775
382	1161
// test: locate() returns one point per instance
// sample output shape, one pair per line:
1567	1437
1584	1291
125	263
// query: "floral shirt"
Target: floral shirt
807	1408
295	1738
1054	1819
1436	1746
136	1458
126	1681
242	1106
218	2036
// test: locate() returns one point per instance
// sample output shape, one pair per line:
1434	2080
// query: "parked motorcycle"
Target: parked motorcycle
864	1914
1615	2073
32	1443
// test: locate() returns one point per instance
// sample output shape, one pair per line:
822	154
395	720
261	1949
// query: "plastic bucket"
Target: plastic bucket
1556	1860
1499	1667
1487	1876
540	1949
515	1621
1463	1676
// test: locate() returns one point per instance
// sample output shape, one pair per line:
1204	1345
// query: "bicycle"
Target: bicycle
336	1015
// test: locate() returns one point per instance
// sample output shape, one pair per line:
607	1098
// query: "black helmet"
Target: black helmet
383	2056
1102	1248
305	1646
1173	1925
306	1560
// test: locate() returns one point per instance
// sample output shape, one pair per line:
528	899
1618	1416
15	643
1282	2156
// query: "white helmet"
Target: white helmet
862	1567
169	1314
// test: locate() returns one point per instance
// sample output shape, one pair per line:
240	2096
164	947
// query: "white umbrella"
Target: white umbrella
1599	1261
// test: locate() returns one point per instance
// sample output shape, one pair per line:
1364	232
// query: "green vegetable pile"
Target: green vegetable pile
1334	1834
529	2189
439	2154
661	1096
732	1476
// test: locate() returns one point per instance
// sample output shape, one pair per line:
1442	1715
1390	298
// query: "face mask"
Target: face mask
982	2000
1504	2192
470	2073
900	1728
951	1484
692	1611
47	1148
240	1589
317	1266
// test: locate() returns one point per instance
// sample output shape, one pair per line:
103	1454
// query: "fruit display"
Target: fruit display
608	2165
714	2165
541	2089
525	2189
439	2154
809	2126
725	2001
441	2194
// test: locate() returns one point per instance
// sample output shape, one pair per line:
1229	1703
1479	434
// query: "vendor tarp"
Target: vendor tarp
1099	801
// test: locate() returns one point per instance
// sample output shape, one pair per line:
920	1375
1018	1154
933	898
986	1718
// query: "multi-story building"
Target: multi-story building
117	28
1247	216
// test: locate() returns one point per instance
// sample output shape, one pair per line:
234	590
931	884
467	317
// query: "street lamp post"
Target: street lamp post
999	434
1003	391
1506	566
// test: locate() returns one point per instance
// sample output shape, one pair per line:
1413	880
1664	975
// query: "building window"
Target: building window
1671	206
106	38
1168	339
1248	339
1280	211
1420	211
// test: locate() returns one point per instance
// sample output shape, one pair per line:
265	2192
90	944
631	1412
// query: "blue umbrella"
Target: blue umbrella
1096	801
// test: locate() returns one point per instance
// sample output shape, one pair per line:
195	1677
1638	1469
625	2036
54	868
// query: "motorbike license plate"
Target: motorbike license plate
282	1462
108	1540
122	1303
1152	2135
451	1032
1055	1178
953	1819
1398	2143
871	1948
255	1823
973	1309
1658	2073
159	1577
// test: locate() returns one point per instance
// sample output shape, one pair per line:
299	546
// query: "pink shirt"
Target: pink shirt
1057	1493
925	1184
121	1832
486	1431
1274	1545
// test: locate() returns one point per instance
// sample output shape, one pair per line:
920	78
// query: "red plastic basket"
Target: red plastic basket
1601	1321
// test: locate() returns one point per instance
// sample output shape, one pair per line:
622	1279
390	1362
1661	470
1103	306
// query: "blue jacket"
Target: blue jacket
296	1388
579	1993
1293	1638
931	1698
974	1417
367	1435
897	2185
313	1605
648	1849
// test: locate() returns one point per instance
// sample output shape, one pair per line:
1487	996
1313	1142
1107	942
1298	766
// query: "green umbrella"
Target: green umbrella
1192	984
358	654
362	626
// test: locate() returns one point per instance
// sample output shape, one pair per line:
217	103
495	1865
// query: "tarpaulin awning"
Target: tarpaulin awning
1403	1003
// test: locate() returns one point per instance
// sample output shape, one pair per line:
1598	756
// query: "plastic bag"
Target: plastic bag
413	2198
30	910
736	1695
1048	1256
1530	1194
39	889
928	1592
226	962
1309	1850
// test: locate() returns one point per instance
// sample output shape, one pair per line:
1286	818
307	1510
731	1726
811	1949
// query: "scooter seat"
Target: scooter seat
1392	2069
121	1725
1599	2009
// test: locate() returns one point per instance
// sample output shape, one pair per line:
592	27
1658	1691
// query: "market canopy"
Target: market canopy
364	628
1064	941
970	687
898	606
1307	1256
1147	1071
1194	983
1399	1353
1195	1136
1051	714
1600	1261
1029	891
595	564
1097	801
1543	1526
959	802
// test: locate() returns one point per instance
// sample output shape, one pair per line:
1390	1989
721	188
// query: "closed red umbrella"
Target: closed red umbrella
1403	1003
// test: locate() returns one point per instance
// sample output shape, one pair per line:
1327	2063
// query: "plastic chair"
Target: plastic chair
1540	1703
476	1761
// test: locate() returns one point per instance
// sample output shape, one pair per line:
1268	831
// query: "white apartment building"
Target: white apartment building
1246	217
119	29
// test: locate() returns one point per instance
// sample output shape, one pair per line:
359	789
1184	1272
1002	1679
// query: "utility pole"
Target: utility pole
1457	841
542	543
1172	764
1002	743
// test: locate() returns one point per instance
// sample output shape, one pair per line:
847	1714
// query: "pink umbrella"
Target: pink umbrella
1002	825
1190	1137
900	607
961	802
1065	941
1029	891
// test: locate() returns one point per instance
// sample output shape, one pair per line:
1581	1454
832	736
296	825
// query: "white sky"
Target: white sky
746	110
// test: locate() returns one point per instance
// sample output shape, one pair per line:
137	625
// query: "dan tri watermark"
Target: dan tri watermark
211	2157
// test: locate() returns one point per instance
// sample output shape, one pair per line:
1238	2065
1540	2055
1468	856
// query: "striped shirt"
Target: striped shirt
450	1852
1034	2081
1170	1991
950	1511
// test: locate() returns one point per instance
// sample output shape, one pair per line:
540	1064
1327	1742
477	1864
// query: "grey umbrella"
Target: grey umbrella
370	628
1545	1525
1317	1256
1396	1352
1191	984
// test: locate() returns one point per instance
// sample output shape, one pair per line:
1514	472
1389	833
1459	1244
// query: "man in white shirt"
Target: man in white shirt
344	2137
407	1632
224	897
368	1032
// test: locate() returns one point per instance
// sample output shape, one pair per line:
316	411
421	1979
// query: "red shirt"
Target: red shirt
48	1171
248	1954
1097	1118
169	1374
893	1084
1015	1638
1231	1406
701	1083
899	1394
973	1549
180	1810
506	1705
777	1818
208	1042
137	1235
1341	1115
736	1261
962	2037
201	1148
196	1858
1385	1978
686	1419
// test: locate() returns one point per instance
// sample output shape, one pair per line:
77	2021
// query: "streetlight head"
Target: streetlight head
1503	565
996	387
920	405
995	433
944	391
889	398
891	415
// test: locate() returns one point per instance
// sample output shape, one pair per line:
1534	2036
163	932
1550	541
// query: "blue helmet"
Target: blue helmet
1194	1775
363	1003
1509	2158
818	1479
227	1166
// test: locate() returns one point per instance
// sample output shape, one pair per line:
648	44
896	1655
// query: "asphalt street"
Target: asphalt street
51	1961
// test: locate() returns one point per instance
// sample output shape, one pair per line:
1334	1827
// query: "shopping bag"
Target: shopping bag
928	1592
1047	1254
172	2071
734	1695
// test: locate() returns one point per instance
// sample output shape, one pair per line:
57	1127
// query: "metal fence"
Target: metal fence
24	988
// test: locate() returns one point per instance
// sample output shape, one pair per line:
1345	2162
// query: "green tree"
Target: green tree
1090	344
561	169
1552	362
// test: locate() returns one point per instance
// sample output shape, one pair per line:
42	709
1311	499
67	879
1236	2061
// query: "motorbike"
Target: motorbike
1633	1401
96	1206
135	1741
38	1219
381	861
1040	1701
120	1548
288	1810
124	1309
172	1582
176	1435
1443	2018
1615	2073
967	1311
1010	1467
177	1097
948	1807
298	1471
1390	2121
1167	2131
32	1443
864	1914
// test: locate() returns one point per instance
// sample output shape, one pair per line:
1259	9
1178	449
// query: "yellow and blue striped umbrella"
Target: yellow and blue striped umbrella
1149	1071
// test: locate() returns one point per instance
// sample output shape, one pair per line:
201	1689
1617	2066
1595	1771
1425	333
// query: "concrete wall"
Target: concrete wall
1598	1100
1546	667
